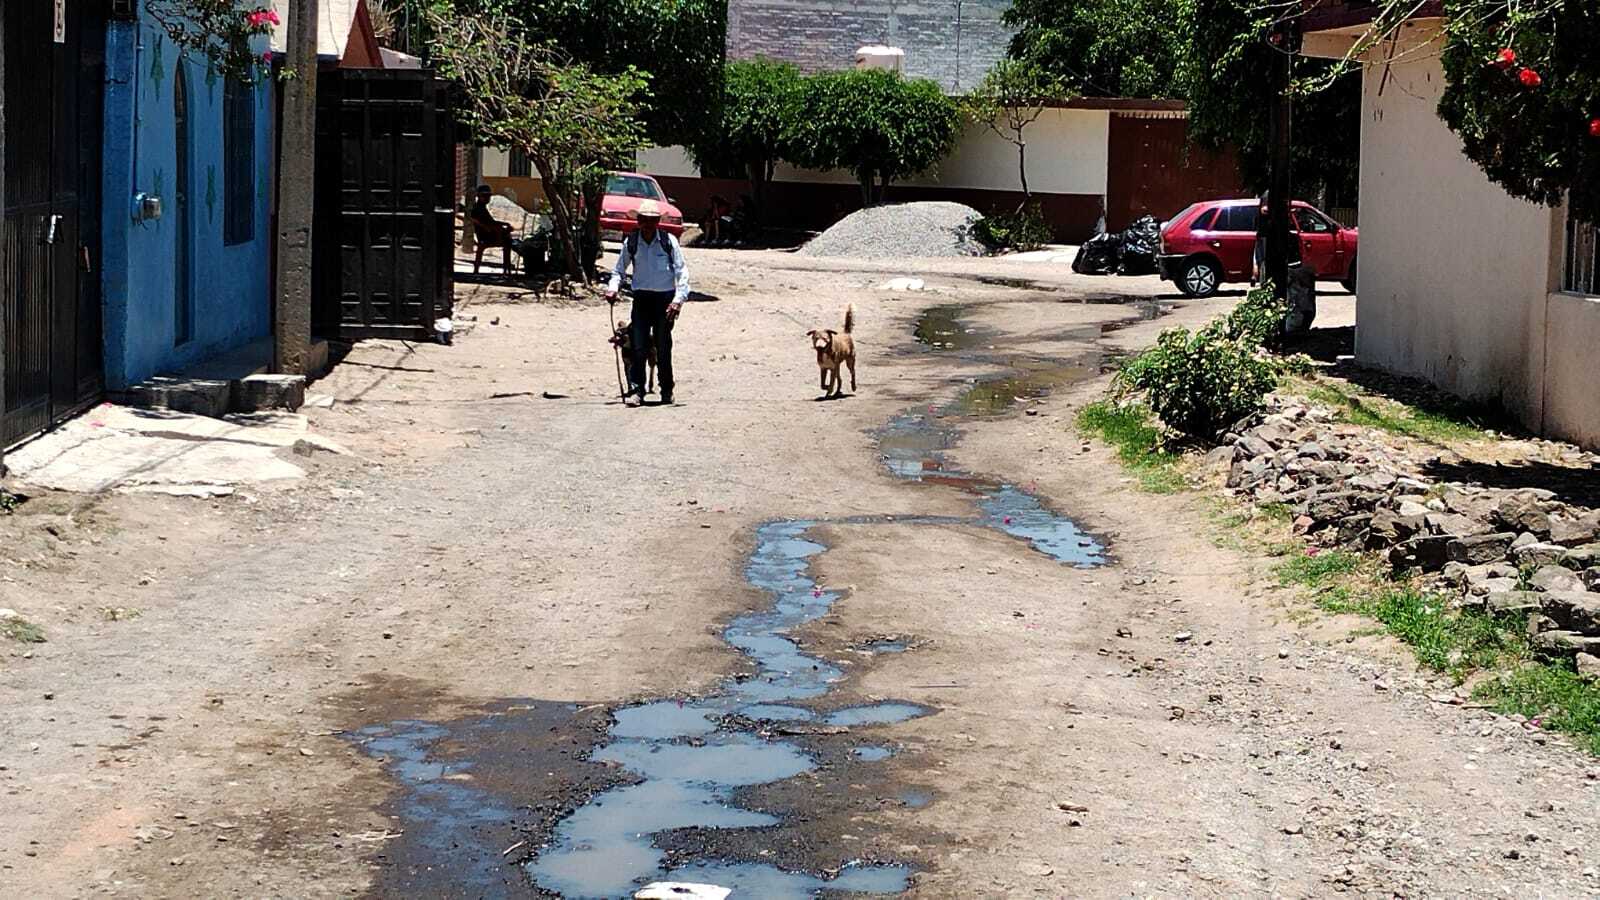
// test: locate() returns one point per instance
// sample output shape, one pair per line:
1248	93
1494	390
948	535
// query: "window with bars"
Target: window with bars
239	162
1581	274
518	166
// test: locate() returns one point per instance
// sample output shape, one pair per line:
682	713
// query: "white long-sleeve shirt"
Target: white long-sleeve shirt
658	265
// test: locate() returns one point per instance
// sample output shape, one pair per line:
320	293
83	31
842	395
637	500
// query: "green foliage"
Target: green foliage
1258	320
9	502
1025	229
1103	48
1011	97
1533	141
1226	77
230	36
21	630
1552	693
1200	383
572	122
1431	425
874	123
1319	570
1128	427
679	44
757	114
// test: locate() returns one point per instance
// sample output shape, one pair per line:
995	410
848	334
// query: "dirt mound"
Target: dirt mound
901	230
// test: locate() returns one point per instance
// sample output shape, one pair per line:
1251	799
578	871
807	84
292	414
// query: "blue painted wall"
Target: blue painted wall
229	284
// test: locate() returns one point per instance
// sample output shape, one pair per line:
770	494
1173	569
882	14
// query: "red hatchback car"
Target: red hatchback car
619	208
1214	242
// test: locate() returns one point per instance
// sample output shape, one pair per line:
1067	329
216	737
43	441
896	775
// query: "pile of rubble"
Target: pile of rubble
1506	550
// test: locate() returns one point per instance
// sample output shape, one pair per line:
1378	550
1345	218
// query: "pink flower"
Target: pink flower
272	16
1312	551
267	57
1008	520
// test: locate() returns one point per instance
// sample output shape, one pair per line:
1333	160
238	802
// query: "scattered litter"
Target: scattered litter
682	890
507	851
902	284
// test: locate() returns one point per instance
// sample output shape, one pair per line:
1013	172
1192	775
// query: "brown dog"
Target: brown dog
622	339
835	350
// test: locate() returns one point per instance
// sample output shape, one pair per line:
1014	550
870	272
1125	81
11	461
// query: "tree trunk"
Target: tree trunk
563	217
883	188
758	172
1022	172
592	198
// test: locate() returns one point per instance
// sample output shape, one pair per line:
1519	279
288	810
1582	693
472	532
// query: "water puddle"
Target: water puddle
687	760
940	328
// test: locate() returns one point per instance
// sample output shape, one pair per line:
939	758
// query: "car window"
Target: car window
1206	221
1236	218
1311	223
632	186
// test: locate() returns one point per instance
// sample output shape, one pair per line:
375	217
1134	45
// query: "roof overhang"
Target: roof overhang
1334	30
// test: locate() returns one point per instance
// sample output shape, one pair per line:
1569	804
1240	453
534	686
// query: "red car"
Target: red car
1214	242
619	208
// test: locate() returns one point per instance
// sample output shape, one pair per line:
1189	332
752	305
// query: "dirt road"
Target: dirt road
491	654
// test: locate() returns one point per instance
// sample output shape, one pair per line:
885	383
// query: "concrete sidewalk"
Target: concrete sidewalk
117	448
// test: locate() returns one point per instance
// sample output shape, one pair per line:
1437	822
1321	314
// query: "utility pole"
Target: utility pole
291	331
2	216
1284	41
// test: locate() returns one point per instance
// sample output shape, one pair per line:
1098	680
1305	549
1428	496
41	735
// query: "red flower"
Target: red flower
1529	78
1505	59
1594	128
272	16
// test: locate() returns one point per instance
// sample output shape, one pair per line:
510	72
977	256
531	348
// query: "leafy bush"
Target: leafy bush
1200	383
1025	229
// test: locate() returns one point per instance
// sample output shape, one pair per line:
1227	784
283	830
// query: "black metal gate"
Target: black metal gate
49	234
383	258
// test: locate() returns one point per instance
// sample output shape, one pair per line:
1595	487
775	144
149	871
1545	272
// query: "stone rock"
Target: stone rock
1427	552
311	445
263	392
1474	505
1582	557
1388	528
1588	666
1572	532
1221	457
1522	512
1513	601
1564	642
1312	450
197	397
1490	585
1412	509
1335	506
1482	548
1577	611
1524	539
1454	524
1540	554
1254	446
1372	481
1552	577
1591	578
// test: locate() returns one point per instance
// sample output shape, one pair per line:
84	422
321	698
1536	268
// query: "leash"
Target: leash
622	388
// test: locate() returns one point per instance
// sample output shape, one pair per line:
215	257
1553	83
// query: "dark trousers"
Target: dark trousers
651	329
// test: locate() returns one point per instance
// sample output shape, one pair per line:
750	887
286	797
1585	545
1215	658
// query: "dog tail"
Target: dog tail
849	318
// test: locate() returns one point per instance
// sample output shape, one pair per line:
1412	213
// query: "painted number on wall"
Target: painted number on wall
61	21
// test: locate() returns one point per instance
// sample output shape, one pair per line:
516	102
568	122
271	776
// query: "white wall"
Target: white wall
1459	280
1453	271
1067	154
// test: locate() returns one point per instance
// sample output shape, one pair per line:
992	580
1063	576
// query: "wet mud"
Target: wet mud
744	787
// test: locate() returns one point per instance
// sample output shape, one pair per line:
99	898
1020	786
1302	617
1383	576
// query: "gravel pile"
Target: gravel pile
901	230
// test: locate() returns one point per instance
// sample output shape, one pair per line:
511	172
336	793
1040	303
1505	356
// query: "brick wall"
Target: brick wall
953	42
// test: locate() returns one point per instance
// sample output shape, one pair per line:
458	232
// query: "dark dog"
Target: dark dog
834	350
622	338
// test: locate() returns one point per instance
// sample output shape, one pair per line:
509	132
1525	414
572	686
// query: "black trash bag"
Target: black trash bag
1141	243
1098	255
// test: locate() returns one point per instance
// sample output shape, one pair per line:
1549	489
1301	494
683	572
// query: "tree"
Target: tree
1011	97
874	123
760	99
1522	90
1227	79
1103	48
572	123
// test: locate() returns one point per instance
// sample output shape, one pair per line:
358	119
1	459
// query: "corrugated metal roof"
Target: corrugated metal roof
335	18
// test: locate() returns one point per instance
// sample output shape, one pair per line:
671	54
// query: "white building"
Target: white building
1489	297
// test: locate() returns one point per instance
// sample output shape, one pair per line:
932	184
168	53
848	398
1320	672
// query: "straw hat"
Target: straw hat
649	209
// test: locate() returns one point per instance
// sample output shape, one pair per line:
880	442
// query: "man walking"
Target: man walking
660	285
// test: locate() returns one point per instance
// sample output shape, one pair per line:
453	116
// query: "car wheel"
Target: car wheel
1200	278
1349	281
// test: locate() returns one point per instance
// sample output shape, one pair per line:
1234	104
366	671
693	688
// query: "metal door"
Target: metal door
383	252
49	234
1155	171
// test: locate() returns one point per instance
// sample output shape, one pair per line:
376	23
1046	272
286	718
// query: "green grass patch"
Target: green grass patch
9	502
1132	431
1324	570
1553	693
22	631
1444	639
1433	426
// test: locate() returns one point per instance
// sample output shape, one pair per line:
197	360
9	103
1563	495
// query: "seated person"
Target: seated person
489	231
716	217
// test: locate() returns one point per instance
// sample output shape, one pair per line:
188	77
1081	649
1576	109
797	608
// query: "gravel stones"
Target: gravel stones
901	230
